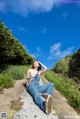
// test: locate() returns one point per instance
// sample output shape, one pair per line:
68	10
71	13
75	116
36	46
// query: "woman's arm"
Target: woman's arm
44	70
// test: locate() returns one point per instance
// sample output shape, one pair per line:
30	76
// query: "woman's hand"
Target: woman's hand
27	82
28	75
44	70
43	66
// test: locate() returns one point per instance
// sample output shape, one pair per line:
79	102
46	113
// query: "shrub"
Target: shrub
62	66
16	71
12	51
69	66
74	65
6	80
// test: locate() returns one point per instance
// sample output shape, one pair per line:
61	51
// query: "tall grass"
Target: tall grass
11	73
6	80
16	71
67	87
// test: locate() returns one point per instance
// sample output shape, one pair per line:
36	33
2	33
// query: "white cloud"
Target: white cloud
38	49
35	55
55	51
44	30
65	15
26	48
55	47
24	7
2	6
23	29
37	52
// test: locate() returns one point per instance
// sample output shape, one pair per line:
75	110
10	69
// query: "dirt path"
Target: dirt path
31	111
9	95
63	109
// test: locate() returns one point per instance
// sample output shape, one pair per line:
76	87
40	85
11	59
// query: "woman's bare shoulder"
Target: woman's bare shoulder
30	69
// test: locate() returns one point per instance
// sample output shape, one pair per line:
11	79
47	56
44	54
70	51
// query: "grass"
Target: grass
67	87
11	73
6	80
16	104
16	71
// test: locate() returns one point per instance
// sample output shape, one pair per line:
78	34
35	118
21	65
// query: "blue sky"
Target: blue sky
48	29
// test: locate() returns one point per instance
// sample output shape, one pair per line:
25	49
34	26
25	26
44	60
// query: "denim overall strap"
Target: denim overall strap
34	80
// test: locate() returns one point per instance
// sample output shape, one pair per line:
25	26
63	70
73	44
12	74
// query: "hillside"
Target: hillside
14	63
11	50
69	66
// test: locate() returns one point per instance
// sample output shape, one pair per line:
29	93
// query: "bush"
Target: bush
74	66
69	66
62	66
6	80
67	87
17	72
12	51
12	72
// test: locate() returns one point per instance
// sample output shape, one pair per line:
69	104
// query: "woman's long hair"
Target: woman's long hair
39	68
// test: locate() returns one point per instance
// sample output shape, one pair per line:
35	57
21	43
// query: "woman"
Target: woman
40	93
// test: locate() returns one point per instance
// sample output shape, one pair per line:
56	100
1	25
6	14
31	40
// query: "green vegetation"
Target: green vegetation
15	60
69	66
11	73
17	72
6	80
74	65
67	87
16	104
62	66
11	50
12	58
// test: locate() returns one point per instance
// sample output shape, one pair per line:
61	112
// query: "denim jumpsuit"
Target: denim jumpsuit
35	89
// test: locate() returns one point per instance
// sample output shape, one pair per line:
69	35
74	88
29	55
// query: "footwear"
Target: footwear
48	105
44	95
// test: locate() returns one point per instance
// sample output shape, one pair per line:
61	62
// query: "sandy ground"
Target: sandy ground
9	95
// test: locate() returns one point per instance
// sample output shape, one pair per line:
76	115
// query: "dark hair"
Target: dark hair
39	68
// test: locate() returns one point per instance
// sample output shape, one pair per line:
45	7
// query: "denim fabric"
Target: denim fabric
35	89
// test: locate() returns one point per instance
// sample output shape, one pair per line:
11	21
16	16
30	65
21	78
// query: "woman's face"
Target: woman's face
36	64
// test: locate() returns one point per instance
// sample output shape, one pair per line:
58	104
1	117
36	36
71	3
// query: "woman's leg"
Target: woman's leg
46	88
36	96
47	91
